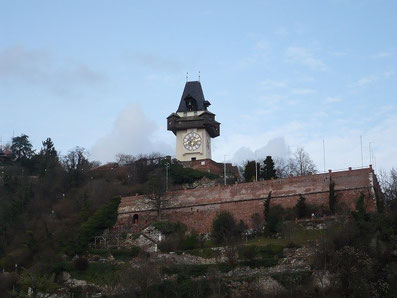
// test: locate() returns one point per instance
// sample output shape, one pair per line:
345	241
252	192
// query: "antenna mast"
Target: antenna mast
324	154
361	143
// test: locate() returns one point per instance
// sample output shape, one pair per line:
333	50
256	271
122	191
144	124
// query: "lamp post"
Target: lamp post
224	168
256	169
167	165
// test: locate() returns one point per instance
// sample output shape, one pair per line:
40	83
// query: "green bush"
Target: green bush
126	253
275	220
247	252
167	227
189	242
103	218
301	209
97	273
81	264
181	175
205	253
224	228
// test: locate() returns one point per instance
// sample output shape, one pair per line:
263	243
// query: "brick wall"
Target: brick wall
197	207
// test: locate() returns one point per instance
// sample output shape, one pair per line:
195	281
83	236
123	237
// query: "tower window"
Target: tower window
193	158
191	104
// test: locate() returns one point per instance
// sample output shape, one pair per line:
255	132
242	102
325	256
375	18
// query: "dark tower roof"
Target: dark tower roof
193	98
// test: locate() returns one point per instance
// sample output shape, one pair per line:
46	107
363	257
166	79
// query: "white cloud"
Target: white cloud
272	84
370	79
303	91
276	147
381	55
300	55
38	67
332	99
132	133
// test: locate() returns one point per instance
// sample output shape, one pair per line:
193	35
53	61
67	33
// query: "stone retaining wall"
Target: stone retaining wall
197	207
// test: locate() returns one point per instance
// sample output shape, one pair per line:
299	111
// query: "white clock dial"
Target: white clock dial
192	141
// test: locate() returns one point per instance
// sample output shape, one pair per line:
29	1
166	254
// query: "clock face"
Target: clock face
192	141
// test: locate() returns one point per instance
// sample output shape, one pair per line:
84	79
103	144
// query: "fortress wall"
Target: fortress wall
197	207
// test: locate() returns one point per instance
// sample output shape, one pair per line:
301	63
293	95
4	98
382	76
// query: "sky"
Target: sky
280	75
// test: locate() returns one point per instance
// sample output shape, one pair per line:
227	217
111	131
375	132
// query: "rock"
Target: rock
65	276
268	286
322	279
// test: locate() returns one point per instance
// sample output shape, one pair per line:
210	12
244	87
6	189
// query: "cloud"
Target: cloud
132	133
303	91
276	147
366	81
370	79
300	55
156	62
38	67
381	55
272	84
332	99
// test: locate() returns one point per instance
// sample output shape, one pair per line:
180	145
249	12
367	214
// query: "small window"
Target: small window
193	158
203	163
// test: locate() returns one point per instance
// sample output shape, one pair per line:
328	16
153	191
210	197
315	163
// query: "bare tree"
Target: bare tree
155	190
304	164
124	159
388	183
301	164
76	164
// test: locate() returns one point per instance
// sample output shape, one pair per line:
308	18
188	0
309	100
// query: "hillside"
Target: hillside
57	214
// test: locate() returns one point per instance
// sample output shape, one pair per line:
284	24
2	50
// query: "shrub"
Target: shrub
81	264
167	227
126	253
275	219
223	227
170	243
181	175
189	242
301	210
247	252
332	198
103	218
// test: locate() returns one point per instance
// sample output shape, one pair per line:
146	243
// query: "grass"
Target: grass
96	273
206	253
298	236
118	254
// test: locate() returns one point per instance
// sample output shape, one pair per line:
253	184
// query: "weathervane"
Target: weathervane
199	76
187	76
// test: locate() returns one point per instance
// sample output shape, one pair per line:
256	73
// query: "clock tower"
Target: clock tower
193	125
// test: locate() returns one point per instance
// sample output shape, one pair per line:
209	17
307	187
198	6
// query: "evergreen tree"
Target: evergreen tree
266	208
332	197
249	171
301	210
47	159
21	148
268	172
